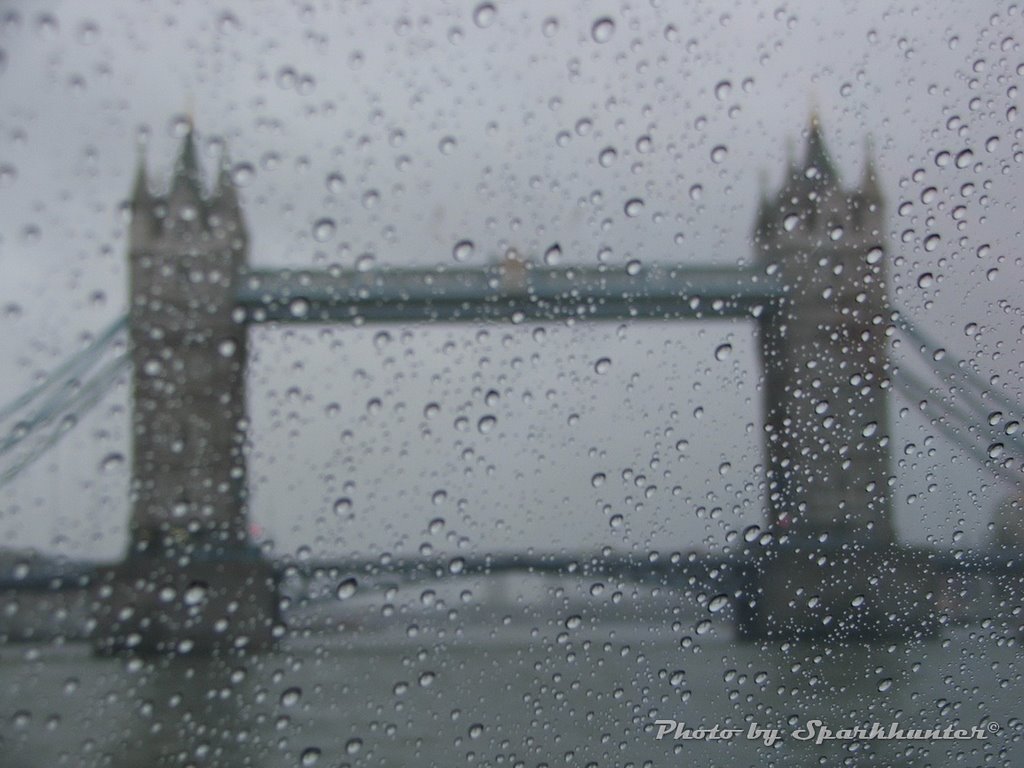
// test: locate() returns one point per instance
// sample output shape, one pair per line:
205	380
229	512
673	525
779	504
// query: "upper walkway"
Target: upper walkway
512	290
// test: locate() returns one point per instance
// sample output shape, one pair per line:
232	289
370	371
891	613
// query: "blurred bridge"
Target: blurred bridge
816	297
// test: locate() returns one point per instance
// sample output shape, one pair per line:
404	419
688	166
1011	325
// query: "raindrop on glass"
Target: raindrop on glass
633	207
717	603
462	250
346	588
484	15
324	230
602	30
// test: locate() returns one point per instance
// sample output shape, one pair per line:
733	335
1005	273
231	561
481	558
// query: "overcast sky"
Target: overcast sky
413	127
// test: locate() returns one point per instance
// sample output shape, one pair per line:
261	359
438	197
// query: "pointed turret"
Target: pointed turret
817	156
866	201
224	194
186	170
141	196
869	188
227	208
142	203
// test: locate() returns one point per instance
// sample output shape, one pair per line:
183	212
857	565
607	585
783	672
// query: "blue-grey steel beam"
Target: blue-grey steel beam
513	291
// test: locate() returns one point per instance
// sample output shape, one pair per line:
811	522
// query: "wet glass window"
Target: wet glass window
511	384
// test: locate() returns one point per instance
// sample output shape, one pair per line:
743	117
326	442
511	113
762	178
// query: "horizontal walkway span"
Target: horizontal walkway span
511	291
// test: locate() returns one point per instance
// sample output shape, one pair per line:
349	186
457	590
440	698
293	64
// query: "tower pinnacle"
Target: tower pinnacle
186	168
869	188
140	189
816	155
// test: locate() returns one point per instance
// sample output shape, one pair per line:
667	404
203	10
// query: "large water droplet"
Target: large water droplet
323	230
346	588
484	15
112	462
242	173
335	182
462	250
195	593
602	30
607	156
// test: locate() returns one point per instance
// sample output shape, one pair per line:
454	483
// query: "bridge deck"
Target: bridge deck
513	291
724	568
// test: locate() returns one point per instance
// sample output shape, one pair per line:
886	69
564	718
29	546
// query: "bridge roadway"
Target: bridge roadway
724	570
513	290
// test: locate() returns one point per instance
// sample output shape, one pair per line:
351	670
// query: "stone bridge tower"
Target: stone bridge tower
824	353
188	351
191	579
834	566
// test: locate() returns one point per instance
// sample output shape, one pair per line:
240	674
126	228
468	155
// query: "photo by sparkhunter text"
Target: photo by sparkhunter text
819	733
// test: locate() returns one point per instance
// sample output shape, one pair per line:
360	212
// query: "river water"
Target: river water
541	687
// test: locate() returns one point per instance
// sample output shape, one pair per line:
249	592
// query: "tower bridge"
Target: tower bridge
815	293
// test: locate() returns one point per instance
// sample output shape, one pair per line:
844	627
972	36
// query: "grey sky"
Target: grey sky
445	129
